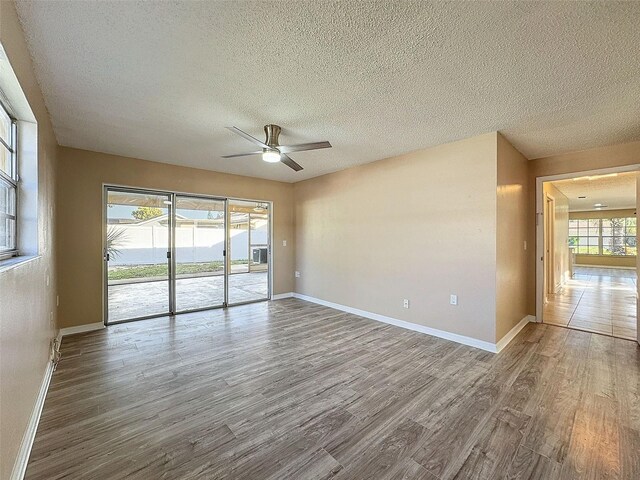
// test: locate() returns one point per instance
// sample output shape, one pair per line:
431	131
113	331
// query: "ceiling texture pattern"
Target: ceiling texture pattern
161	80
613	191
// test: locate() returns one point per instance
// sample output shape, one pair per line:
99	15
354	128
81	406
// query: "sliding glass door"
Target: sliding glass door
167	253
136	253
199	252
249	251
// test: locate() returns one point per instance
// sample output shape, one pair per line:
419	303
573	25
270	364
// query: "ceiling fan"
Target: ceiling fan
272	151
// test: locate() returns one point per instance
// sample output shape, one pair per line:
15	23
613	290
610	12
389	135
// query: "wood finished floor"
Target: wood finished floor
598	300
294	390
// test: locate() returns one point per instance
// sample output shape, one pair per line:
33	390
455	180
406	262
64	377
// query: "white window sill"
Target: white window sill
14	262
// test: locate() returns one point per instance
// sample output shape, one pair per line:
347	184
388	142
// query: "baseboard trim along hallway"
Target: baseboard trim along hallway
282	296
20	465
89	327
454	337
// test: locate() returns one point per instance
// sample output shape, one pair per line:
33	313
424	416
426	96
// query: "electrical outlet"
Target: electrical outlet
297	274
405	303
284	243
453	299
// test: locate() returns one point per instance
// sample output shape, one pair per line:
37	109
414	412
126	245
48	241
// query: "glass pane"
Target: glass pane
7	234
606	231
617	226
631	221
607	246
631	230
582	250
573	241
573	232
199	238
593	241
249	251
6	161
573	224
137	243
7	198
617	246
606	223
5	127
583	241
583	232
594	223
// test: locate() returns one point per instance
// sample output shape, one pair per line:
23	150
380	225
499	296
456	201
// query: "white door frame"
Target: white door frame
549	218
540	225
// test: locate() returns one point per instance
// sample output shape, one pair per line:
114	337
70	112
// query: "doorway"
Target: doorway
550	219
588	263
167	252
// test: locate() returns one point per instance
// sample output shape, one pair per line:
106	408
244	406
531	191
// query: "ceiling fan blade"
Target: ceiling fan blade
300	147
241	154
246	136
289	162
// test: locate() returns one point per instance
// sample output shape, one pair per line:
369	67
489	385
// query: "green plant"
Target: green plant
146	213
116	238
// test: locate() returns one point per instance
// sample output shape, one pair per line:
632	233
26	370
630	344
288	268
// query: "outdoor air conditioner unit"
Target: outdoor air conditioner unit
259	255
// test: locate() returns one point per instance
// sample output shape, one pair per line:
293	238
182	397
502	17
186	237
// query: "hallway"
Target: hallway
598	300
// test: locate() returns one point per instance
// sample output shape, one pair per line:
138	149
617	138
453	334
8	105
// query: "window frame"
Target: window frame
601	235
11	181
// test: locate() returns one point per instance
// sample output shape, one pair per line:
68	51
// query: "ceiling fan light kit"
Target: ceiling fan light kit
272	151
270	156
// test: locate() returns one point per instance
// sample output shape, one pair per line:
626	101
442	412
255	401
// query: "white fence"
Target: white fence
148	244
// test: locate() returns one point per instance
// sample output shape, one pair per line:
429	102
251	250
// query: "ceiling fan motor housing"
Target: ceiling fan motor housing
272	132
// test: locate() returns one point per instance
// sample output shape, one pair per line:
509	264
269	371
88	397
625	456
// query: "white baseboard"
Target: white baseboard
504	341
280	296
20	465
620	267
434	332
89	327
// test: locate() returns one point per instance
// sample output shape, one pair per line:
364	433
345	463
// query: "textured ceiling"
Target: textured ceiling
617	191
161	80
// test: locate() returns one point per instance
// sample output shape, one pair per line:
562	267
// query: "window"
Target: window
619	236
8	184
603	236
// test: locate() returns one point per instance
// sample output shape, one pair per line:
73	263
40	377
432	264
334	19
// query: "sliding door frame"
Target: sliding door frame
269	250
225	201
172	249
105	263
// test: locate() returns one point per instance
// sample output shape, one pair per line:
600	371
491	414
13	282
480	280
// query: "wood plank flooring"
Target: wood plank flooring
598	300
294	390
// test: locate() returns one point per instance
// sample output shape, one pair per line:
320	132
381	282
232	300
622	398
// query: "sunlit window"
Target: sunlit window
603	236
8	184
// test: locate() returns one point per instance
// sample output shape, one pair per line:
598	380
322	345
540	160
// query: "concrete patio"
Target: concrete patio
139	299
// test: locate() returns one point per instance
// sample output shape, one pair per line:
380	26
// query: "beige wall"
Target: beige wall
419	226
593	159
605	260
27	303
81	179
561	260
511	234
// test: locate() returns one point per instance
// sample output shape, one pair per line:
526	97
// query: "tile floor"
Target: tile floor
132	300
599	300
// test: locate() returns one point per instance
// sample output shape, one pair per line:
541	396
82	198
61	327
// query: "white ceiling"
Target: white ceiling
615	192
161	80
